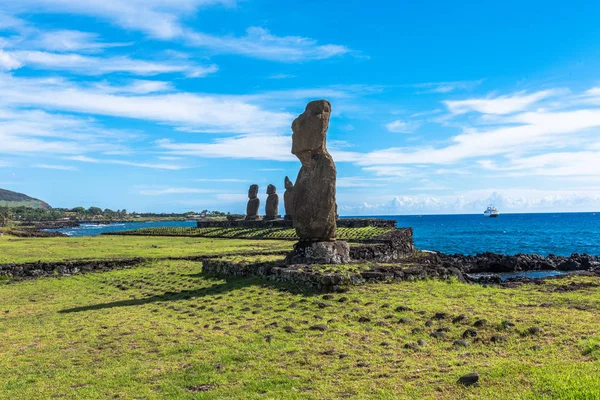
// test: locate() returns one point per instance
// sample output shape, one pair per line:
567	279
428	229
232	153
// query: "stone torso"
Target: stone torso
314	199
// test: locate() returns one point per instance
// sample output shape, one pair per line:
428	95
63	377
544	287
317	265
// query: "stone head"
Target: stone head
253	191
288	183
310	128
271	189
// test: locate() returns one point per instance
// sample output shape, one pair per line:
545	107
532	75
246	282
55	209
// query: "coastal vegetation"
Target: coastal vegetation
166	330
14	199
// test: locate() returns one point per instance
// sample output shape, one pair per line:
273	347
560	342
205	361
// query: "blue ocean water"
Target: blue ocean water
551	233
98	229
543	234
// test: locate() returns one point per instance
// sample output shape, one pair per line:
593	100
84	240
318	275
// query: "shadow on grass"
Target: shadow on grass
215	289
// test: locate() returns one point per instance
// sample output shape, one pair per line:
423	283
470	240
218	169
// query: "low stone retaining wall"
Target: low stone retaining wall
305	276
41	269
391	247
280	223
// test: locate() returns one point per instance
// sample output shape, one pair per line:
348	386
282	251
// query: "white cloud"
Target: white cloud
71	41
501	104
8	62
205	113
86	159
260	43
90	65
36	131
162	19
137	86
259	147
158	18
447	87
475	201
523	132
58	167
178	190
399	126
568	164
221	180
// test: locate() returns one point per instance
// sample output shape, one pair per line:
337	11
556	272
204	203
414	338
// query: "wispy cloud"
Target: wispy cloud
176	190
400	126
71	41
447	87
260	43
500	104
161	19
58	167
86	159
207	113
8	61
92	65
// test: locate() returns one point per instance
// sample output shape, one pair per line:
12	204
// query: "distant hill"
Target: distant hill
14	199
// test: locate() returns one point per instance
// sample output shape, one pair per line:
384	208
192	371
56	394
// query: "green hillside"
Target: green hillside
14	199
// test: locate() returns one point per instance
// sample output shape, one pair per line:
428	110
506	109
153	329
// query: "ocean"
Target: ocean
549	233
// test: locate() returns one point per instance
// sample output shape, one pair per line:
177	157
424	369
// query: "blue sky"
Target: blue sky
175	105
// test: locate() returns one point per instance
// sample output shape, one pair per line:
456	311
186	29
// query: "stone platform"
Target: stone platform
284	223
331	252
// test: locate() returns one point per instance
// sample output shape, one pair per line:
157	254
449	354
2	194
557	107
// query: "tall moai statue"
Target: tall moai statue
314	191
288	199
253	203
314	210
272	206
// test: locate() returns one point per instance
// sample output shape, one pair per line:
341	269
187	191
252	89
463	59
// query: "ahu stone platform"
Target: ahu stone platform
283	223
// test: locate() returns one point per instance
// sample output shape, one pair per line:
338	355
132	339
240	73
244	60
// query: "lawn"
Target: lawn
164	330
20	250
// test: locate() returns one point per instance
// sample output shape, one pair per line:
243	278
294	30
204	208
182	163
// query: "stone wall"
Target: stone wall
41	269
341	223
393	246
306	277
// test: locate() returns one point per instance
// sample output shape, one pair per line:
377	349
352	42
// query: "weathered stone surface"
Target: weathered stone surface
272	206
314	208
334	252
253	203
288	199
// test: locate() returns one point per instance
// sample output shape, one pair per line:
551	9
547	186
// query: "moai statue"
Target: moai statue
314	190
272	206
253	203
314	210
288	199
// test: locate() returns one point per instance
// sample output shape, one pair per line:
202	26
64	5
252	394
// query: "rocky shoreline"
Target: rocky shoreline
499	263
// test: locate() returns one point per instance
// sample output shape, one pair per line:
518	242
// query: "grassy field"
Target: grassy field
164	330
112	247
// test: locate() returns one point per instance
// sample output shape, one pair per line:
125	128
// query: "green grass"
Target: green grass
20	250
349	234
149	333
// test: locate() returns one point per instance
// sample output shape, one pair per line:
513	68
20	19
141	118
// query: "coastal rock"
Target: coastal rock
272	206
314	209
288	199
253	203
